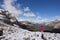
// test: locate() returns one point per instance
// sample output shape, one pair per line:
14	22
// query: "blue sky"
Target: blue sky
32	10
45	8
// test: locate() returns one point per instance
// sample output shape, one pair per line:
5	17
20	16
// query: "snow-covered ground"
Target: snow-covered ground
16	33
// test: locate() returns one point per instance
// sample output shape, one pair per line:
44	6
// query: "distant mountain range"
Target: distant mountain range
48	26
54	24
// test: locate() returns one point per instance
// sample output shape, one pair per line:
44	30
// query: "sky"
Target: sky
33	10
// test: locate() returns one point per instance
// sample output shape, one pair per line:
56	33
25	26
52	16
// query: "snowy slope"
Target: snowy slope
15	33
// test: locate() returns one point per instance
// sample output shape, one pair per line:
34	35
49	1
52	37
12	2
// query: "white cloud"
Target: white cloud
20	19
18	5
38	17
42	20
26	9
29	14
57	18
8	6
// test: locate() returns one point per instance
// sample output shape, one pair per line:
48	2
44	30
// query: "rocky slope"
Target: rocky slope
15	33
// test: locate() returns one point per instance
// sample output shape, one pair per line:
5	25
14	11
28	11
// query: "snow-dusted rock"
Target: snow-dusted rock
16	33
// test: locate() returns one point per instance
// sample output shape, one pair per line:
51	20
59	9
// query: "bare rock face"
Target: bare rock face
7	17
